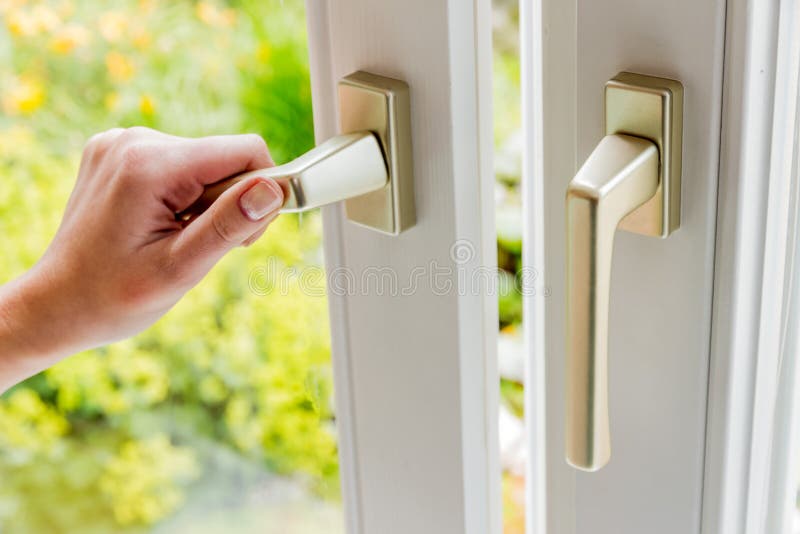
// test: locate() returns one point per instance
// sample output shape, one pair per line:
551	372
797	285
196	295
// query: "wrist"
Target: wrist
33	335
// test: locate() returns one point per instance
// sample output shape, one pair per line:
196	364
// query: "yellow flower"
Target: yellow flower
214	16
23	96
111	101
146	105
112	25
119	67
27	23
228	17
141	38
263	52
21	24
68	38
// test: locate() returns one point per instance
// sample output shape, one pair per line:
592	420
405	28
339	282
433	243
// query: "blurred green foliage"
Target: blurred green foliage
509	299
508	219
115	439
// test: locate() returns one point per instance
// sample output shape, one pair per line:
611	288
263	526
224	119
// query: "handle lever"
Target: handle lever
619	176
369	165
342	167
631	181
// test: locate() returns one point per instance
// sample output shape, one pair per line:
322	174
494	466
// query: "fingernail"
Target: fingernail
261	199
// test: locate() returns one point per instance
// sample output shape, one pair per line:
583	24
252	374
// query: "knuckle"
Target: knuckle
90	149
92	143
257	143
132	157
98	144
255	139
135	133
134	148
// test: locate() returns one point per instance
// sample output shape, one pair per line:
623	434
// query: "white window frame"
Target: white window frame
416	376
752	429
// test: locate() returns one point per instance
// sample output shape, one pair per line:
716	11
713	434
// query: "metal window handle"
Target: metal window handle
630	181
342	167
368	165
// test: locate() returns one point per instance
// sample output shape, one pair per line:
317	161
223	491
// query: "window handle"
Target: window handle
630	181
368	165
342	167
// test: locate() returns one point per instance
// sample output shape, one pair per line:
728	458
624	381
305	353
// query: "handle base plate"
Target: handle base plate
381	105
651	107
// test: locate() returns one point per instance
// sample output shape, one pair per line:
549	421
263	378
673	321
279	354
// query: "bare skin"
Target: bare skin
120	260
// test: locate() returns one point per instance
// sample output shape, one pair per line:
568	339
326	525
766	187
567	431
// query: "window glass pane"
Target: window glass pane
508	206
219	418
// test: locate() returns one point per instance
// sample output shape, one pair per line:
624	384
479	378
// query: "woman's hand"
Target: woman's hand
120	259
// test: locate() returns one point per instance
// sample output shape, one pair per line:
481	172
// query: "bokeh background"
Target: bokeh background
221	414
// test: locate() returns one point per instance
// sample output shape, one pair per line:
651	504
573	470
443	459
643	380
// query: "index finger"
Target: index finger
192	164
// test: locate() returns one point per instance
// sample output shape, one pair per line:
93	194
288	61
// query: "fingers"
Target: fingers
177	167
238	215
195	163
210	159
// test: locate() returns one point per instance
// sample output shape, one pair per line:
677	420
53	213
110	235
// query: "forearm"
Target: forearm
32	336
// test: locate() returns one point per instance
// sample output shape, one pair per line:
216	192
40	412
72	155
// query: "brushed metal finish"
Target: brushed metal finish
630	181
651	107
343	166
381	105
369	163
619	176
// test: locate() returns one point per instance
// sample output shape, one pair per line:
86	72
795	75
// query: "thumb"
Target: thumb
240	212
